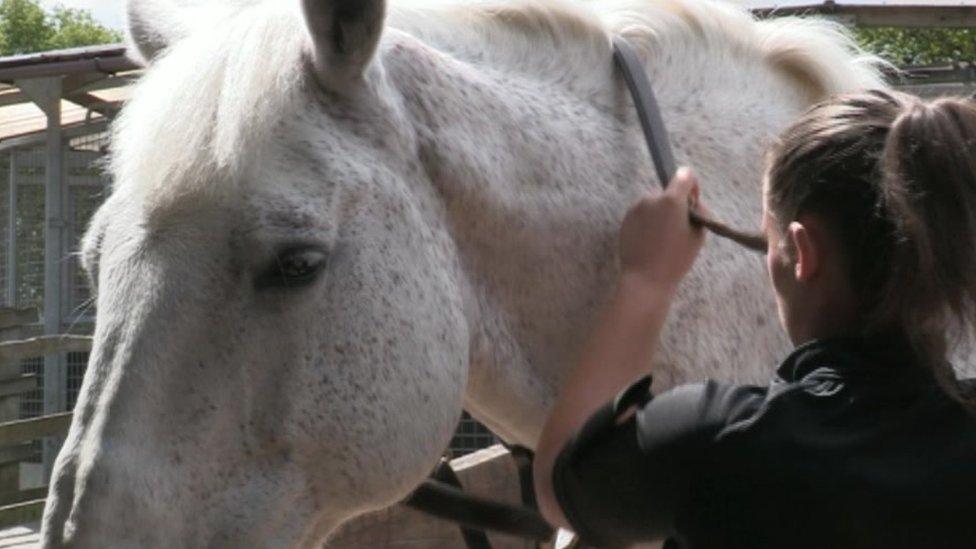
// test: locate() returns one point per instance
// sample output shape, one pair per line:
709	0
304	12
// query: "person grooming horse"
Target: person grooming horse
864	438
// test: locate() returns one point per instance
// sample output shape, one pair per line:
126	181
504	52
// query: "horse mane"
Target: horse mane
217	93
570	36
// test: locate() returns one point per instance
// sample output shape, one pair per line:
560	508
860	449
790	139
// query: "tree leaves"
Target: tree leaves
26	28
919	46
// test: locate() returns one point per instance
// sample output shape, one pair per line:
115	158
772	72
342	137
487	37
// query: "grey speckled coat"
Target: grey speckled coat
335	224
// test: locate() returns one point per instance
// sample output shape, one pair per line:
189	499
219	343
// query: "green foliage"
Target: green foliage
23	26
26	28
75	27
924	46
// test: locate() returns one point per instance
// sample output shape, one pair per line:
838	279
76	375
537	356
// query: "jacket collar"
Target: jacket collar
889	352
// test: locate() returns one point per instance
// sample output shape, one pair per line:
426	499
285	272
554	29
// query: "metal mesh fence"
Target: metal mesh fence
87	188
83	203
470	436
29	227
32	402
77	363
4	223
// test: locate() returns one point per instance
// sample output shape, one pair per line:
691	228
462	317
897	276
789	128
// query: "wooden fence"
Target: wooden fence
489	473
18	436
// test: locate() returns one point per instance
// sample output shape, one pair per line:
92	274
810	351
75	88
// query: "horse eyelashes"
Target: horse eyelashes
292	268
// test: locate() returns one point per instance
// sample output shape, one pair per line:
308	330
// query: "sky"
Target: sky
106	12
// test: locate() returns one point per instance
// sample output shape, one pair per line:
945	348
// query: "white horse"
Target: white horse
335	224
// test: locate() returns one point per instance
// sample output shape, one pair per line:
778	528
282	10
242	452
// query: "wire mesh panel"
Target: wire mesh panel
29	227
470	436
77	363
88	185
4	222
32	402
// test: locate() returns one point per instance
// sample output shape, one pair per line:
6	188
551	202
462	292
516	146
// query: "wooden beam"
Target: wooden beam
13	98
11	316
72	83
36	138
490	472
14	454
44	346
20	496
21	513
18	386
919	15
15	432
95	104
930	91
46	70
11	371
959	17
110	82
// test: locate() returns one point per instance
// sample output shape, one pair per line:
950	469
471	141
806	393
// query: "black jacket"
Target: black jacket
851	446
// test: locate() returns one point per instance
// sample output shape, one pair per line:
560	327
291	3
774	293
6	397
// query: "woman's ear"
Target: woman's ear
808	250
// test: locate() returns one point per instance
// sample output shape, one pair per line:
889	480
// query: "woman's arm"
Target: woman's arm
658	245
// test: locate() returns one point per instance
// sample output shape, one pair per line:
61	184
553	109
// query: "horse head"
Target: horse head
275	309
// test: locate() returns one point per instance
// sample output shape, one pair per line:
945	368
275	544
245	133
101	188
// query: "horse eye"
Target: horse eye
292	268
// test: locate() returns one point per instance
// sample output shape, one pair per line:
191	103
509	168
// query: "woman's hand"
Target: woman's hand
658	243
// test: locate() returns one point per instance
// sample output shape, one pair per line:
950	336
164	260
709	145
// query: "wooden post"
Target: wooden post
46	93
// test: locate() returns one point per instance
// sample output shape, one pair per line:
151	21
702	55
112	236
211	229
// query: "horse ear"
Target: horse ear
151	26
344	37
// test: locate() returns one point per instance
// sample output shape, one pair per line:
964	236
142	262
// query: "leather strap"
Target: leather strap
658	145
473	538
448	502
648	111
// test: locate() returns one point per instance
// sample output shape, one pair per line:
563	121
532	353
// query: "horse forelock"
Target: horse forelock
204	107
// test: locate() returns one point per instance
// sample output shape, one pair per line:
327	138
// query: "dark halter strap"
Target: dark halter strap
658	145
648	111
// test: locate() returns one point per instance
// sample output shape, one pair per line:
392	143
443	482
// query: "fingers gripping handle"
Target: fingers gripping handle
659	146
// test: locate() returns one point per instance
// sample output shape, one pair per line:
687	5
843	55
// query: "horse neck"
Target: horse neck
534	175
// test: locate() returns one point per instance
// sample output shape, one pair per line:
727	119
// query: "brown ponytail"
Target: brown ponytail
895	177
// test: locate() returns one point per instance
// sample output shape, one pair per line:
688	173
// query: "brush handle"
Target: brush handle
754	241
